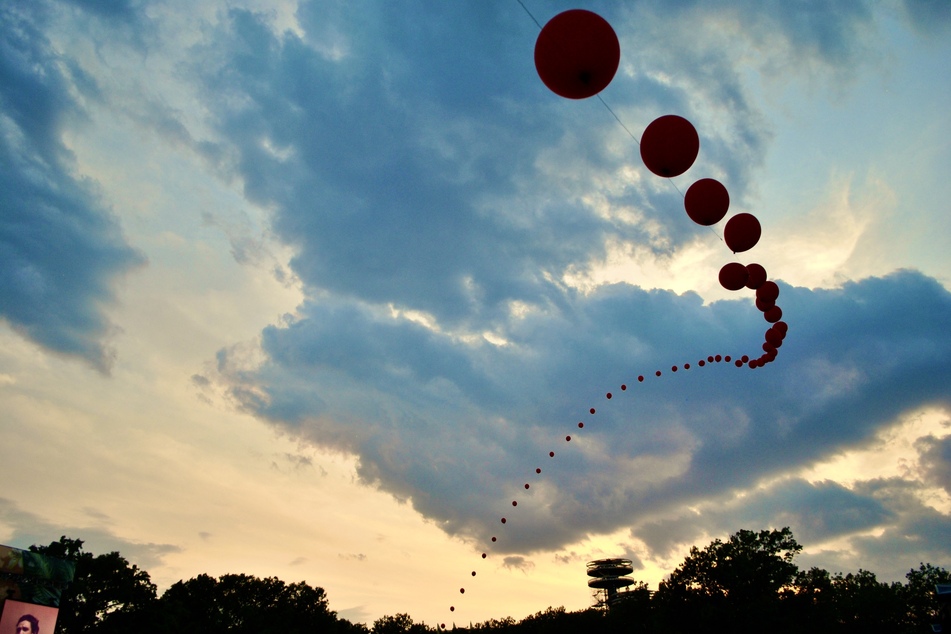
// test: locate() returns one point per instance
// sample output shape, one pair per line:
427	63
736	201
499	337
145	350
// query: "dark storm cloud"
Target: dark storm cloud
816	512
423	164
455	437
917	533
436	195
61	247
935	457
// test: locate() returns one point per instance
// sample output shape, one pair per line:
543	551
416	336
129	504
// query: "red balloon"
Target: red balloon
757	275
774	314
742	232
762	305
669	145
707	201
733	276
782	326
768	292
577	54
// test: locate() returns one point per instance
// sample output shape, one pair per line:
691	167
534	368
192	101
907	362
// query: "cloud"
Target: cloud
935	459
62	249
517	562
437	199
456	426
930	17
817	512
26	528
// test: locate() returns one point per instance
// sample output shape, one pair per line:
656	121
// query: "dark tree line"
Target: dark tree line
748	583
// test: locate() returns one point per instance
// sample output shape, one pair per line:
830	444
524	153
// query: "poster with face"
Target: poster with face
27	618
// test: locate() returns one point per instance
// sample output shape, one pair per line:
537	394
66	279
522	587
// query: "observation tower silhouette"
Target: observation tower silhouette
608	576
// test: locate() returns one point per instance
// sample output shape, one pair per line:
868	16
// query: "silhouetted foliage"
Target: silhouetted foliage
399	624
733	586
744	584
106	590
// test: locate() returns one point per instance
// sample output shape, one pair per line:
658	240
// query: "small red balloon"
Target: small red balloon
774	314
707	201
577	54
669	146
757	275
742	232
774	337
763	306
768	292
733	276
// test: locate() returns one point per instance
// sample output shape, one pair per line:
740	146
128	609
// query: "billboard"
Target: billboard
19	617
32	577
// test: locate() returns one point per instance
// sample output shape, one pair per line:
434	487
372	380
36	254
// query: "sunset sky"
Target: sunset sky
310	290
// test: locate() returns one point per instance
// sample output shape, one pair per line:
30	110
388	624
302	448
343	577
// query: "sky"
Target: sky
311	289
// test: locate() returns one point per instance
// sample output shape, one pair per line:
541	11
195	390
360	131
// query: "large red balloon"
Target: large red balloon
707	201
757	275
733	276
742	232
577	54
768	291
669	145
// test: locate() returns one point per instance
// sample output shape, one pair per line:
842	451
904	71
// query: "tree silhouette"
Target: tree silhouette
105	589
734	584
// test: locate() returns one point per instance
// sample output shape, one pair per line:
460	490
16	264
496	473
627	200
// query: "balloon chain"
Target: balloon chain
668	148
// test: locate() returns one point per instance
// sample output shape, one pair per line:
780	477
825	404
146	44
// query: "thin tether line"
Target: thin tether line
620	123
537	23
